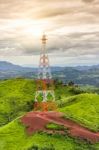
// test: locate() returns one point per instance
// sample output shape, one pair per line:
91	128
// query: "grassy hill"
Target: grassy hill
14	137
83	108
17	97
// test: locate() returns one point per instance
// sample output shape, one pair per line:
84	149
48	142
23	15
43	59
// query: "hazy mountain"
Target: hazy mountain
9	70
87	67
79	74
6	66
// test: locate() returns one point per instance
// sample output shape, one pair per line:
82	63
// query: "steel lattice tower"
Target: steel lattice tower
44	80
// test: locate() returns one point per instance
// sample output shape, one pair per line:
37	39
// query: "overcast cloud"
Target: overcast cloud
72	27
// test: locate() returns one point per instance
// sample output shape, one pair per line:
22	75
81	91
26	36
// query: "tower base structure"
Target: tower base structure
45	106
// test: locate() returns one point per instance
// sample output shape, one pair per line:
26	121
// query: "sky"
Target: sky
71	26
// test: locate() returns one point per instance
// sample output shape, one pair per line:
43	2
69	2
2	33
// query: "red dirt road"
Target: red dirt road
36	121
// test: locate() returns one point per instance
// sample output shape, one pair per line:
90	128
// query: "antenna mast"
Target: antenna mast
45	91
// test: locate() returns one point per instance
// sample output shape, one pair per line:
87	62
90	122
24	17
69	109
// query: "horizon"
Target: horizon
32	66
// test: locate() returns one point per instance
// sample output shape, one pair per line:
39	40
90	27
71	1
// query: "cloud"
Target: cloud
72	27
88	1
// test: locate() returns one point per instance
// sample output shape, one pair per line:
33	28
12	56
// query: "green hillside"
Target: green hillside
17	96
14	137
83	108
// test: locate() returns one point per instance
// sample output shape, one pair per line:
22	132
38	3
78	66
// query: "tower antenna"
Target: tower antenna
44	96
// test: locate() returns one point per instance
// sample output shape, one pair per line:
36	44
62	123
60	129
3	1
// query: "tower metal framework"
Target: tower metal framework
45	88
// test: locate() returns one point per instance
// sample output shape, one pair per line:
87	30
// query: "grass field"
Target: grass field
14	137
53	126
17	97
84	109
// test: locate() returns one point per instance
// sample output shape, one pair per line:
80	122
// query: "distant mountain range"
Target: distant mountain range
80	74
7	66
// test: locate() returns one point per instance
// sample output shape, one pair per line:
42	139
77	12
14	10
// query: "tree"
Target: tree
71	83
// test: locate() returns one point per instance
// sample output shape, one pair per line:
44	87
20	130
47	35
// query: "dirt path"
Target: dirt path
36	121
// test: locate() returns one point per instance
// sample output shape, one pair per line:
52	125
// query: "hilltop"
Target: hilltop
16	99
13	137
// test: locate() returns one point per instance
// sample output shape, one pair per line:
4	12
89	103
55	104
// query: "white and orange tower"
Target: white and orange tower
45	90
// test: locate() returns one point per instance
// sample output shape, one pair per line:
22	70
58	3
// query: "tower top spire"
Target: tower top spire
44	39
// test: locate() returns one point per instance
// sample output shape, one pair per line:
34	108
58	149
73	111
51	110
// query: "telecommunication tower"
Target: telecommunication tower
45	89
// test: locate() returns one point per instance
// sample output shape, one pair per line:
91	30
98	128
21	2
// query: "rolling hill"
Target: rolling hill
9	70
80	74
17	97
14	137
84	109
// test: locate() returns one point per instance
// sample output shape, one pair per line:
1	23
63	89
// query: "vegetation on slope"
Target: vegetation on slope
16	97
83	108
14	137
53	126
